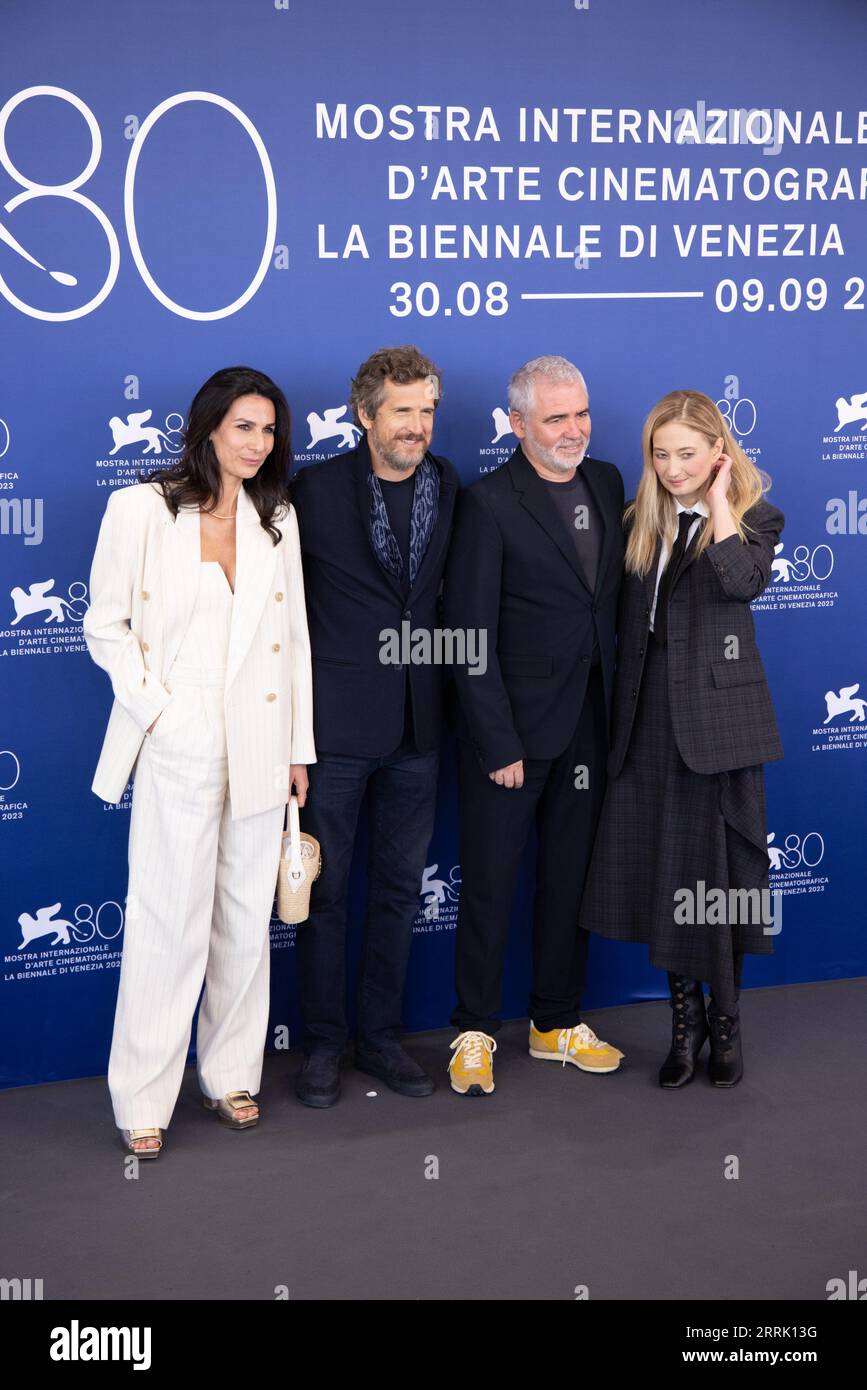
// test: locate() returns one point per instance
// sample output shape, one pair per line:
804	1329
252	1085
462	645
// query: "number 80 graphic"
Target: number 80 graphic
70	191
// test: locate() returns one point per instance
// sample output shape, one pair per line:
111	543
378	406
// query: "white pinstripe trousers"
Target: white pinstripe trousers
201	888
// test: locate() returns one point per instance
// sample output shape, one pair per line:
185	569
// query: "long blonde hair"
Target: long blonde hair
653	513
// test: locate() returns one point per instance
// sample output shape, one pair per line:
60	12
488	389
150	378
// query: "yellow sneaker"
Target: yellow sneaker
578	1045
472	1067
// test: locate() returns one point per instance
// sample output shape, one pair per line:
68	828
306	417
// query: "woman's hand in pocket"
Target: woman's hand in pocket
159	717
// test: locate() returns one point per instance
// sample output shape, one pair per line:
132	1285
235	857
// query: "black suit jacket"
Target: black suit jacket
721	708
513	570
359	703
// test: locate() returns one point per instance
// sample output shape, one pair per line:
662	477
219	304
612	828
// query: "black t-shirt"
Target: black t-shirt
398	499
398	504
587	536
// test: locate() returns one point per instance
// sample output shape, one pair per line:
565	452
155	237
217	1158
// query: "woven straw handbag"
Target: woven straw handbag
300	865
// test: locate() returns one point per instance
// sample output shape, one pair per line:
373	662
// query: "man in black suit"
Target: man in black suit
536	560
375	526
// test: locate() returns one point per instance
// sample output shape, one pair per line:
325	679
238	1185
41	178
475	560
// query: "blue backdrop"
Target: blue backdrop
196	183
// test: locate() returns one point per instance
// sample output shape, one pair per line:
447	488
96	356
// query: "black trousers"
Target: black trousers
494	826
401	794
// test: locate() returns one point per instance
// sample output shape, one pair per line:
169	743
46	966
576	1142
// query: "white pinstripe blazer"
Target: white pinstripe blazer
143	586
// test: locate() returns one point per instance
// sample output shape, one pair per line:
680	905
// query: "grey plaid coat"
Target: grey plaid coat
721	709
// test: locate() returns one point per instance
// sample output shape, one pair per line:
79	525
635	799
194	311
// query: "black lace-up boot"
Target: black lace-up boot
689	1032
726	1064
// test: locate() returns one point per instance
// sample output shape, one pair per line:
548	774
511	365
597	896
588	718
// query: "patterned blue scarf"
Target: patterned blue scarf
425	501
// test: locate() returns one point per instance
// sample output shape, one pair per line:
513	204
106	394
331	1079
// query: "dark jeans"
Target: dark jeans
494	825
401	790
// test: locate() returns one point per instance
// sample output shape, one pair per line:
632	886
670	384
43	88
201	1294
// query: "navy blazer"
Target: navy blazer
721	709
359	703
514	571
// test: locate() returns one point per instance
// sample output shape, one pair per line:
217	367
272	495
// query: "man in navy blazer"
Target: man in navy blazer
375	526
536	561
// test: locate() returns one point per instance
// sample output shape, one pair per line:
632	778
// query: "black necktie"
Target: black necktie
666	583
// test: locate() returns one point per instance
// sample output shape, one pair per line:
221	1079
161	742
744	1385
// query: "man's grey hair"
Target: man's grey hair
557	370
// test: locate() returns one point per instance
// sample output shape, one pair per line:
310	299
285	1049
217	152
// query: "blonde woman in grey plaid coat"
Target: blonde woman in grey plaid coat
680	860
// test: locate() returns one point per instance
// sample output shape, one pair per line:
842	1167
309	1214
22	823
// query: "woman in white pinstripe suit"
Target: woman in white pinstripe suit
197	614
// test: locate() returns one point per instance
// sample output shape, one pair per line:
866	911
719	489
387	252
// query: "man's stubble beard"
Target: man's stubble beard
548	458
394	460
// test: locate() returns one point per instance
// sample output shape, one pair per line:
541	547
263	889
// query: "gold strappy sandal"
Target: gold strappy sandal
129	1137
228	1104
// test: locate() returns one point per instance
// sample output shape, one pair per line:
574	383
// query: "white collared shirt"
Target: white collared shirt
698	511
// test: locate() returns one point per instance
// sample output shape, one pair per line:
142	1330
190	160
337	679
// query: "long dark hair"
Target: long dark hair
195	479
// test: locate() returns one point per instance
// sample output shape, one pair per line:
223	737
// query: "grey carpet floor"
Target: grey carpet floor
557	1181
